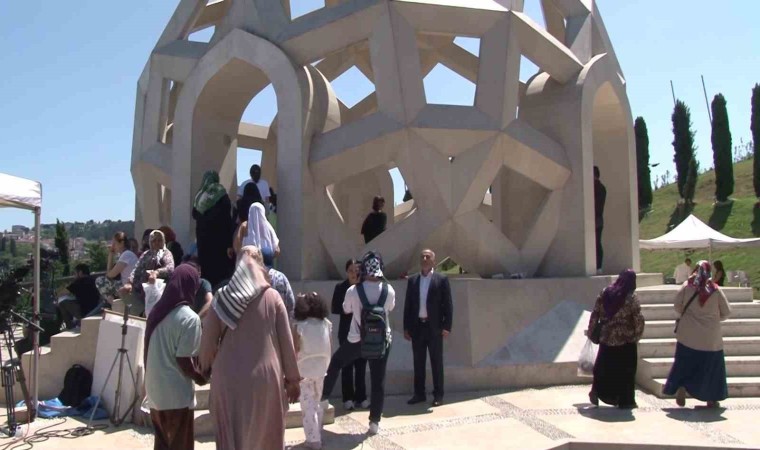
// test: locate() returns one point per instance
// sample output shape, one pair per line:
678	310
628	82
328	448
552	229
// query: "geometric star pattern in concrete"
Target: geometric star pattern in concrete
502	186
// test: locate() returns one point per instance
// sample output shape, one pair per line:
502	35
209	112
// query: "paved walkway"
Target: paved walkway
521	419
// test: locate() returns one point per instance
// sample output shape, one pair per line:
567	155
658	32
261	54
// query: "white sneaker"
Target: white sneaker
348	406
364	404
374	428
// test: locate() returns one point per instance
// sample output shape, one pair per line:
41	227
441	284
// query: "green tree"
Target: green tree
721	143
98	256
62	244
683	143
13	248
756	138
690	187
3	243
642	163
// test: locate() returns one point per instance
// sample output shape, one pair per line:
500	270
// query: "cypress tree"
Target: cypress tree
755	125
62	244
13	248
690	186
2	243
721	143
683	143
642	163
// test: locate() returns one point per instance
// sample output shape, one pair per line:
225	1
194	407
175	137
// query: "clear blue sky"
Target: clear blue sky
70	71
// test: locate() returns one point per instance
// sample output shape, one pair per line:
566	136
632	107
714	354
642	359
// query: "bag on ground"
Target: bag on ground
374	325
587	359
77	385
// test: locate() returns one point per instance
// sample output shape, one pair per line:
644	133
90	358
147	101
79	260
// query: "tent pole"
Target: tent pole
36	307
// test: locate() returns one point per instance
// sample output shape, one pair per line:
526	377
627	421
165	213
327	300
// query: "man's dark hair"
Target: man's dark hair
377	203
254	167
310	305
350	263
84	268
687	260
597	174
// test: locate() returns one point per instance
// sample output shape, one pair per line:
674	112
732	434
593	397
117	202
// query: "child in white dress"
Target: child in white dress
311	336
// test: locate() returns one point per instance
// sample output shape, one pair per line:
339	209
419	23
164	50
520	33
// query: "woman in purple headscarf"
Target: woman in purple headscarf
619	312
172	341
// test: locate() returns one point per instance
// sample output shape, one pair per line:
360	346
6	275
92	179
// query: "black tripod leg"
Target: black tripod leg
10	407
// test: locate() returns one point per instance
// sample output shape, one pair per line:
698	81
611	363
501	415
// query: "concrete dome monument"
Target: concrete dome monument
503	186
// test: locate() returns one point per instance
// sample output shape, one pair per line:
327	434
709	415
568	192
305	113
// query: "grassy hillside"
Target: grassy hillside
738	219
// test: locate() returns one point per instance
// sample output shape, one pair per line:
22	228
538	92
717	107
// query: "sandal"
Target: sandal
681	397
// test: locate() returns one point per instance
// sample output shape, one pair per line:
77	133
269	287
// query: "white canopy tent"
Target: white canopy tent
693	233
26	194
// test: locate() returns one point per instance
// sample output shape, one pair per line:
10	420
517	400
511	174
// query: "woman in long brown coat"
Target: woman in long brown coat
248	348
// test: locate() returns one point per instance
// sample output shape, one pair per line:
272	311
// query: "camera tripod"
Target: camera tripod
121	355
12	371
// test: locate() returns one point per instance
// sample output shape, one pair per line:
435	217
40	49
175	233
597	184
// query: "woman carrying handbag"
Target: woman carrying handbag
699	367
618	323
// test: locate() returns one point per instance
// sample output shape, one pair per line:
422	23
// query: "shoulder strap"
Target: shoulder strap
689	302
383	295
362	295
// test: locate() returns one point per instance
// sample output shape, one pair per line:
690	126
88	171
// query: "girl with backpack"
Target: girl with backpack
369	337
311	337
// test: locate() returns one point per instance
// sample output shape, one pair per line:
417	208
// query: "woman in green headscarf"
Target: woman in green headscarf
213	229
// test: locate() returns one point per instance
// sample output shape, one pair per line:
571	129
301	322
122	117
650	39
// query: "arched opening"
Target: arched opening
611	144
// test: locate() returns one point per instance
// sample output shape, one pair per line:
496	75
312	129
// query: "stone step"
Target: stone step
665	294
666	347
730	328
204	423
649	279
737	386
745	310
736	366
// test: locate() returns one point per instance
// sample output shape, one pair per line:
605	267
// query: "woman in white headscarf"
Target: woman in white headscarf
156	262
257	231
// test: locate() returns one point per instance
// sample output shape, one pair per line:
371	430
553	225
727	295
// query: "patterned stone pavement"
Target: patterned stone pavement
538	418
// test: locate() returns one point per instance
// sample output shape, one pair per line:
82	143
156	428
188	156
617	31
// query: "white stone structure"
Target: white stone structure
534	144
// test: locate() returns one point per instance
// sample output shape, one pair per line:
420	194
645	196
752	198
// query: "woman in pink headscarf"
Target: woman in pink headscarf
700	366
619	312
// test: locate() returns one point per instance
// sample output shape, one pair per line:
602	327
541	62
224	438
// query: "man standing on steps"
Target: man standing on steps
427	321
600	197
263	186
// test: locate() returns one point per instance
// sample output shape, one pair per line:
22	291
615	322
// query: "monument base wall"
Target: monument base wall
506	333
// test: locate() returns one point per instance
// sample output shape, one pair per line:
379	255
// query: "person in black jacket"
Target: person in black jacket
374	223
600	198
428	313
352	376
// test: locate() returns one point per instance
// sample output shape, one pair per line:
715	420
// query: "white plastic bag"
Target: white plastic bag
153	294
587	359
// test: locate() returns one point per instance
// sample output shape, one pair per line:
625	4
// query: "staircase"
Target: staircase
204	423
741	340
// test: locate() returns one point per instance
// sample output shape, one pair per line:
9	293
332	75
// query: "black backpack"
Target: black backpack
77	385
374	325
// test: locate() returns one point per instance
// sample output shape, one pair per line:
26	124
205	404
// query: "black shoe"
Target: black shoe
438	402
593	398
416	399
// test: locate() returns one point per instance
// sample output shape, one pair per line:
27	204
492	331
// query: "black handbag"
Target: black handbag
596	333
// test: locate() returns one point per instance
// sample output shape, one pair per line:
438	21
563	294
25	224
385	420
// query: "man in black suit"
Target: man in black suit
427	321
